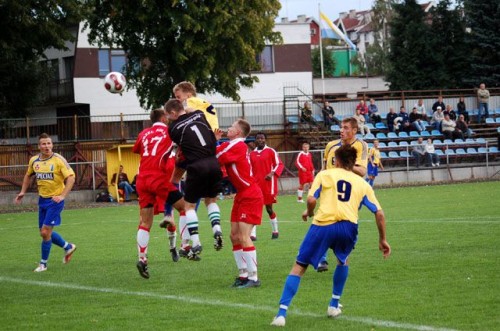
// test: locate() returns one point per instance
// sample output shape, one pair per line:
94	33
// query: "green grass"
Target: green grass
443	273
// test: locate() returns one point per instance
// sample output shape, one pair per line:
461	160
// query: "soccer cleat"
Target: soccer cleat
218	243
275	235
300	201
69	254
174	254
278	321
250	283
334	311
322	267
191	253
253	238
240	281
143	269
41	267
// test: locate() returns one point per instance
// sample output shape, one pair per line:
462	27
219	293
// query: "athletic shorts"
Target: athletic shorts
203	179
305	177
247	206
153	190
49	212
340	237
269	199
372	170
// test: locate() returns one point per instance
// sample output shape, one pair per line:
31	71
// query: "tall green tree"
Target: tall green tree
28	29
211	43
329	63
483	42
414	65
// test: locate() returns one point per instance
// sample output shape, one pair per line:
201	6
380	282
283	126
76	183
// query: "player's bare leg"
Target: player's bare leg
274	221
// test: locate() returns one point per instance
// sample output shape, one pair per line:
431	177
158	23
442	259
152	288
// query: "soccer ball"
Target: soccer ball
115	82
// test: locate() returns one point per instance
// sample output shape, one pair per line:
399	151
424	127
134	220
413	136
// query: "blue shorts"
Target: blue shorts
372	170
340	237
49	212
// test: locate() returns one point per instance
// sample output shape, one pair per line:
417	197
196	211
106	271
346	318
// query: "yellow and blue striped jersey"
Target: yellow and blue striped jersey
50	174
361	152
374	155
341	194
206	107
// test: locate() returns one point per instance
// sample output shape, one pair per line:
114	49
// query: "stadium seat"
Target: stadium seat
293	119
369	136
480	140
403	143
403	134
498	129
448	142
494	149
318	118
470	141
497	120
425	123
449	152
413	142
380	126
482	150
392	144
359	136
405	154
490	120
439	152
383	155
414	134
370	145
425	134
471	150
392	135
393	155
459	141
437	142
460	151
335	127
370	126
382	144
436	133
381	135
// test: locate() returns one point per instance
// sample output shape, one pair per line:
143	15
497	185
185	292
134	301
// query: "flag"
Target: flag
335	30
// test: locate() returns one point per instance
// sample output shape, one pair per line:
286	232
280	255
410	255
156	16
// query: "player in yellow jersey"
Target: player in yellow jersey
185	92
335	225
348	131
54	178
374	162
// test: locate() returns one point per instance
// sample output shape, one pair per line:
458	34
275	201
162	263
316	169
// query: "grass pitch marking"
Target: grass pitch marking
191	300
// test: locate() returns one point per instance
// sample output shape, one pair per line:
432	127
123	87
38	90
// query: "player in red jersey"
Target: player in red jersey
306	170
153	185
266	167
248	202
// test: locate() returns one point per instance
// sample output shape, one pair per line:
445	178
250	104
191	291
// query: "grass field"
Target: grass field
443	273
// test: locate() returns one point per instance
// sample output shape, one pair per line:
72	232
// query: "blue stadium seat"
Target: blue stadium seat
480	140
498	129
405	154
380	126
490	120
381	135
370	126
436	133
471	150
382	144
392	144
425	123
425	134
335	127
437	142
403	134
470	141
497	120
393	155
413	142
383	155
459	141
449	152
318	118
414	134
392	135
369	136
403	143
448	142
494	149
439	152
482	150
370	145
359	136
293	119
460	151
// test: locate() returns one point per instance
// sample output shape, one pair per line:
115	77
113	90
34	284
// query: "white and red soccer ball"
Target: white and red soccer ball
115	82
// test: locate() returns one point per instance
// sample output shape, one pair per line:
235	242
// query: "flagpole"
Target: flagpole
321	53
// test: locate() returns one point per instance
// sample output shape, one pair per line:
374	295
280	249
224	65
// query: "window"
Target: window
266	59
53	68
313	32
111	60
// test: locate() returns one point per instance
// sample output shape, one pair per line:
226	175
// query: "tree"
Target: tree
28	29
328	62
213	44
483	42
414	65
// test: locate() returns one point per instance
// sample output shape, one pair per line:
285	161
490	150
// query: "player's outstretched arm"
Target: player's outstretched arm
383	245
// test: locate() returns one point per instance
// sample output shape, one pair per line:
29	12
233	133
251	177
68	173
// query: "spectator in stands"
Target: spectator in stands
418	151
123	183
363	129
451	112
421	109
483	98
373	112
461	109
329	115
391	116
404	124
449	128
432	157
363	109
307	115
438	103
437	117
416	120
463	126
